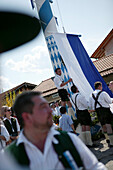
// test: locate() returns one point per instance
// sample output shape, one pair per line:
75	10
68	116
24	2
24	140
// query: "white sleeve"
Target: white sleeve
5	133
107	98
18	126
89	159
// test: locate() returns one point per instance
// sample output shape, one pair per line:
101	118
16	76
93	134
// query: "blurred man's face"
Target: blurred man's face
58	72
41	116
111	87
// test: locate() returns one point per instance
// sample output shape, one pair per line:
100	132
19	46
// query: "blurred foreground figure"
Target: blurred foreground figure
40	145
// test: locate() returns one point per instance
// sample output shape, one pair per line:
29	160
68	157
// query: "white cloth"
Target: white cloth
54	112
58	81
4	133
49	158
81	102
104	99
65	123
17	124
57	109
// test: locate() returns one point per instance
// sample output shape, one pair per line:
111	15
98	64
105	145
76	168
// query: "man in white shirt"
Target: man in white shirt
100	101
83	115
111	86
37	141
62	91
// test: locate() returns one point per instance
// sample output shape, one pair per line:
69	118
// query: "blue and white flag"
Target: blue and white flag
67	52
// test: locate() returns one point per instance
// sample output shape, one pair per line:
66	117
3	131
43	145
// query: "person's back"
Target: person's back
65	121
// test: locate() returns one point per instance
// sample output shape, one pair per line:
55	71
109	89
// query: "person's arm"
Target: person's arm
107	98
5	135
64	83
72	126
89	159
2	137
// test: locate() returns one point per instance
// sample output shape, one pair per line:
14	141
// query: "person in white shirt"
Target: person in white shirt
62	91
111	86
4	135
57	108
11	124
83	115
100	101
54	112
38	137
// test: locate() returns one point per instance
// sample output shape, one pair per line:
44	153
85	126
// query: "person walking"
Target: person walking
62	91
40	145
100	101
83	115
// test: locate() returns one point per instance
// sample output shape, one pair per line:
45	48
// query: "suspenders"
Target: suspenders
96	99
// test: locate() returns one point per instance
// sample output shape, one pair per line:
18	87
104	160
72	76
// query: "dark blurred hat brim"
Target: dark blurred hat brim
17	29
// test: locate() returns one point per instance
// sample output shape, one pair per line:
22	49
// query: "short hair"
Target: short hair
63	110
56	70
111	82
74	89
97	84
24	103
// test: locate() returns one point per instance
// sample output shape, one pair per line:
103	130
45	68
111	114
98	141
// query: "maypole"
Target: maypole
48	23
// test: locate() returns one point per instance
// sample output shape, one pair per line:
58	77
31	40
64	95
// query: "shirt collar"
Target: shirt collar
23	139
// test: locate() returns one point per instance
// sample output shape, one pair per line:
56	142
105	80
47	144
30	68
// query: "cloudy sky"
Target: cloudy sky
31	63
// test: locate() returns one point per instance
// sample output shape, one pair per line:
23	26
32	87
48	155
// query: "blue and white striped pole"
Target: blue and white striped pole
48	23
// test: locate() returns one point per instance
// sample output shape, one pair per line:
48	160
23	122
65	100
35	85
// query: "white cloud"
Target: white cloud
5	84
37	61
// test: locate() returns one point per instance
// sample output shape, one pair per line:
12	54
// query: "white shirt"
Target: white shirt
49	158
104	99
17	124
81	102
58	81
4	133
57	109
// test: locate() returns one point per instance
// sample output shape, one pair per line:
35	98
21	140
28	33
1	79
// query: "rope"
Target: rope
60	17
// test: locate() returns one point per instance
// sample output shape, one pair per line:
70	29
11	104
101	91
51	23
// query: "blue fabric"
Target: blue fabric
87	66
45	14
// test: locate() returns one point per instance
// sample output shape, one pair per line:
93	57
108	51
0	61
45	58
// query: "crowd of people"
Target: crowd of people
33	140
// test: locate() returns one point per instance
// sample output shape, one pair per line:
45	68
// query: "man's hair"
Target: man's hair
74	89
63	110
97	84
111	82
56	70
24	103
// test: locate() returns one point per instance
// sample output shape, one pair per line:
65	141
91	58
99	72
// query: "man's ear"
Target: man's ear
26	117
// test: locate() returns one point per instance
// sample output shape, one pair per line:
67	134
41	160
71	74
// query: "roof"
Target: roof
99	52
21	85
104	65
47	87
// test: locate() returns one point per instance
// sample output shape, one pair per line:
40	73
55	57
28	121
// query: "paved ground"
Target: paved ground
103	153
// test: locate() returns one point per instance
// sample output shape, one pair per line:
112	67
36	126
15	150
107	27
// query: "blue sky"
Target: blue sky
31	63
